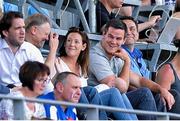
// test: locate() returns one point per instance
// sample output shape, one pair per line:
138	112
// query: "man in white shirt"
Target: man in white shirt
38	30
14	51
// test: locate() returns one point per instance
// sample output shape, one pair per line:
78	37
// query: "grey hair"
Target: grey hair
61	77
36	20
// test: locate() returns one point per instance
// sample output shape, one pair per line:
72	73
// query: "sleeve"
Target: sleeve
34	53
6	110
99	66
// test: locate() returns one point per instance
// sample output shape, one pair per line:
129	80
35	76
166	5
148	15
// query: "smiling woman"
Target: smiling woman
33	76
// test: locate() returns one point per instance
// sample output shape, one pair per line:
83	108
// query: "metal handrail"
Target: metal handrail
93	109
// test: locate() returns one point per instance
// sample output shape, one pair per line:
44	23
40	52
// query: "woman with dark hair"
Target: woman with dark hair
74	57
168	77
33	76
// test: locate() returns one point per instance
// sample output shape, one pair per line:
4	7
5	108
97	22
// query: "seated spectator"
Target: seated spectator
168	77
33	76
74	57
110	65
66	88
14	50
138	64
38	30
104	12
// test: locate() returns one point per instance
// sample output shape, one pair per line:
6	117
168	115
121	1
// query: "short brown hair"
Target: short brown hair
30	70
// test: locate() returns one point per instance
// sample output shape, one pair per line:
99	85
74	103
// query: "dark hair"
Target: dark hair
115	23
29	72
83	59
36	20
6	21
129	18
61	77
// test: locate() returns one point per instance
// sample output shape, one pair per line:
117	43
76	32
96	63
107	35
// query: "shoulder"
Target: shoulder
27	45
50	95
30	48
32	52
166	69
165	73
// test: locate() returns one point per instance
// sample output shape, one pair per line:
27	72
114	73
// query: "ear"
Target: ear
59	87
33	30
5	33
84	46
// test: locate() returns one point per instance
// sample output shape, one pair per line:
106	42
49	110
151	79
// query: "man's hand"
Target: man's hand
153	20
121	53
53	41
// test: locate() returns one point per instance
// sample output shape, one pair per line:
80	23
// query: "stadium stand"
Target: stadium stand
154	53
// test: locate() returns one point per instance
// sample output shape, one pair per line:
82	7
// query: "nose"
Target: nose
128	31
79	91
72	43
22	31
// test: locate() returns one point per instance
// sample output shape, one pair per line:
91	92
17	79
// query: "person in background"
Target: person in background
38	31
74	57
110	65
34	77
138	64
168	77
104	13
14	51
67	87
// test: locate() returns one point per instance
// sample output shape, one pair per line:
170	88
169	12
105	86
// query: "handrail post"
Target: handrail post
92	16
92	114
82	16
19	112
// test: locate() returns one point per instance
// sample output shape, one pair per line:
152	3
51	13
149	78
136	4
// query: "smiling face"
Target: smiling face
16	34
41	34
112	40
74	45
132	32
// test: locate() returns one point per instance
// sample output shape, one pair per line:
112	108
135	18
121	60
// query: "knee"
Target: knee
90	90
114	90
146	92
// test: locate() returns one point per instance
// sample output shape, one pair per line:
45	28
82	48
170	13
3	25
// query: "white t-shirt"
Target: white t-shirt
10	63
61	66
6	108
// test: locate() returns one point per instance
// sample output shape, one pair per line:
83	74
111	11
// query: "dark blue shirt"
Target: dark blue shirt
56	111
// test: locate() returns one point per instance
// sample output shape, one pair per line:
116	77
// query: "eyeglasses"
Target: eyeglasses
44	81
